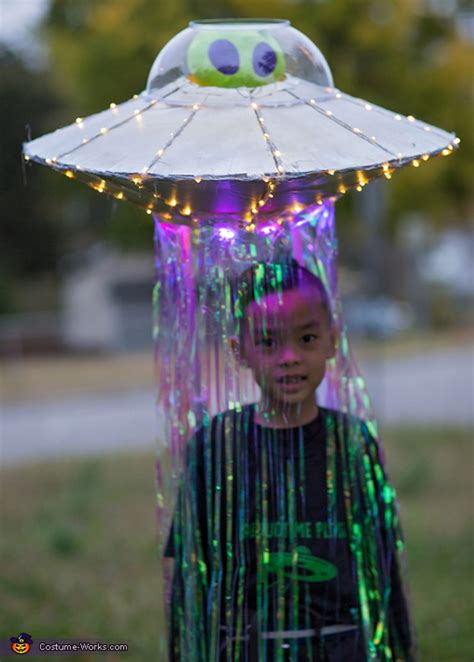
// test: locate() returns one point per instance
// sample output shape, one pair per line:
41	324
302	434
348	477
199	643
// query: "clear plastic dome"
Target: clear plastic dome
238	54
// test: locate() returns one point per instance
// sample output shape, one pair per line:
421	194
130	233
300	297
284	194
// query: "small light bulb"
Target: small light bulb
331	172
79	120
398	117
368	106
198	179
70	174
359	188
103	130
356	130
328	113
445	152
148	211
254	106
196	106
338	95
277	152
415	163
119	195
410	118
113	105
425	157
173	202
456	141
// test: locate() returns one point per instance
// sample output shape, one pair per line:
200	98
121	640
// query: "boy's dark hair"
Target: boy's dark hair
263	278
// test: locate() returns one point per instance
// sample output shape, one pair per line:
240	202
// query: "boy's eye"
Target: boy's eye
265	342
309	337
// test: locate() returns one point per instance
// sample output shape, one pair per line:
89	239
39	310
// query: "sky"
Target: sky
17	20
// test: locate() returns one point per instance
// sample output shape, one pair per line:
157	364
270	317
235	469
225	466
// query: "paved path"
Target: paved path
434	388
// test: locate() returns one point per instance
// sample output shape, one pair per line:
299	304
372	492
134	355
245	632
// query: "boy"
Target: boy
285	534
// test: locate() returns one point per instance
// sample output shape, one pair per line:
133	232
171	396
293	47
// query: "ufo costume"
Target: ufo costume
239	148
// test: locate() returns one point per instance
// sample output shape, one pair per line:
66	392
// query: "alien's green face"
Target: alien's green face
235	59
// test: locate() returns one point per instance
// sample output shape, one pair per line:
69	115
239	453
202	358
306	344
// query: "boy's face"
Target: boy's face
286	342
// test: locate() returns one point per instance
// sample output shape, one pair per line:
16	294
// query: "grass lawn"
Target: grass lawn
79	551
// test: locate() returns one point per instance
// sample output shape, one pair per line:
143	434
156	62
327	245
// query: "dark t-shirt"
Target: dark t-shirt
281	531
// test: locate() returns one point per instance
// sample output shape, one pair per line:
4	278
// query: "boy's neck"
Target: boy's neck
272	416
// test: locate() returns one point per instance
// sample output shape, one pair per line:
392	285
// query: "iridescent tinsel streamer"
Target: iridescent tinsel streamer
222	479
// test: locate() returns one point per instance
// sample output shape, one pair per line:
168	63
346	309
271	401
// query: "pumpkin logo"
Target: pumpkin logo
21	644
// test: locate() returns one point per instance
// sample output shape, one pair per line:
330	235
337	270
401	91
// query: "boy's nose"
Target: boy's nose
288	357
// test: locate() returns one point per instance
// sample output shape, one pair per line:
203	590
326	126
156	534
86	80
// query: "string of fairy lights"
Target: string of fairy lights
342	183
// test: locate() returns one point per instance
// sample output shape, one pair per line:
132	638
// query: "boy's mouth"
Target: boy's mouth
291	379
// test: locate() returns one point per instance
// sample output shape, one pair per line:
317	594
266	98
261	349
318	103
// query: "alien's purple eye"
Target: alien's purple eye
264	59
224	56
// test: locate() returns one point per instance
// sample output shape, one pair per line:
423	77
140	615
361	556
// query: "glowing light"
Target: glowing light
277	152
226	233
338	95
342	189
410	118
328	113
368	106
160	152
359	188
79	120
297	208
427	128
445	152
266	136
356	130
186	211
425	157
281	168
135	96
148	211
196	106
137	180
261	120
268	229
103	130
387	175
85	141
119	195
254	106
331	172
456	141
172	203
113	105
70	174
198	179
26	157
398	117
415	163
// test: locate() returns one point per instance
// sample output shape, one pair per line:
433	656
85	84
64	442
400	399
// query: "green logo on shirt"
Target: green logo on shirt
300	565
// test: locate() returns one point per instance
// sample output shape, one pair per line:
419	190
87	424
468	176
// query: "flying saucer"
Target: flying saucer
239	119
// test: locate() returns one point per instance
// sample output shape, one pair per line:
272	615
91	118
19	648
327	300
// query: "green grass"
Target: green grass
79	551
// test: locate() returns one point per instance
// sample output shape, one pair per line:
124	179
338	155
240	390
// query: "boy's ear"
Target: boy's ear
237	350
